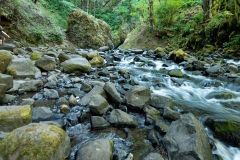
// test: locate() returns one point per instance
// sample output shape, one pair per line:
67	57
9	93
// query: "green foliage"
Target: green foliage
233	42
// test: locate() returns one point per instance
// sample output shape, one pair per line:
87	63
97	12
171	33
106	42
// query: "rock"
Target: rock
50	93
178	56
86	87
221	95
152	156
112	94
72	100
160	102
152	115
21	68
64	109
96	90
28	101
42	114
3	88
96	150
36	141
161	127
171	114
46	63
187	139
198	65
5	59
35	56
63	57
138	96
154	137
92	54
98	104
85	31
232	68
12	117
104	48
8	98
216	69
62	101
27	86
225	130
97	61
3	135
175	73
76	64
7	80
51	85
122	119
98	122
7	47
137	51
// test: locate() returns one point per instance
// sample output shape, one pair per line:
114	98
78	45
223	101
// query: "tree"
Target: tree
151	18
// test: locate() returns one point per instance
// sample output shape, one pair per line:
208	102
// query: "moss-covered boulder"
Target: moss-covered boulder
85	31
5	59
175	73
178	56
221	95
24	22
35	56
225	130
46	63
36	141
12	117
76	65
21	68
96	150
97	61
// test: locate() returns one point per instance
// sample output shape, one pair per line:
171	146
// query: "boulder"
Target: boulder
152	156
221	95
7	47
96	150
50	93
216	69
21	68
7	80
5	59
85	31
112	94
138	96
175	73
26	85
160	102
98	104
35	56
36	141
152	115
46	63
178	56
12	117
3	88
76	64
42	114
98	122
171	114
63	57
122	119
97	61
187	139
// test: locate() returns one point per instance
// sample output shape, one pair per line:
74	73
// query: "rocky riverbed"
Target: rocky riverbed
65	103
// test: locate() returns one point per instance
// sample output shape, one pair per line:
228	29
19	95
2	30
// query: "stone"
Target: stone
7	47
104	48
12	117
160	102
36	141
62	101
178	56
50	93
152	115
98	122
42	114
175	73
122	119
187	139
112	94
98	105
214	69
232	68
46	63
64	108
96	150
153	156
63	57
168	113
138	96
6	79
3	88
5	59
221	95
76	64
8	98
161	127
72	100
97	61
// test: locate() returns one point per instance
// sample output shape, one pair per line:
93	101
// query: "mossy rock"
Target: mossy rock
93	54
12	117
76	65
178	56
97	61
175	73
35	56
221	95
5	59
208	49
36	141
159	49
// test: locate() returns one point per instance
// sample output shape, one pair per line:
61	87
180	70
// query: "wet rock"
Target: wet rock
86	87
232	68
96	150
50	93
12	117
97	61
137	51
72	100
46	63
45	141
73	118
7	80
152	115
7	47
76	64
64	108
5	59
187	139
3	88
198	65
37	96
8	98
175	73
104	48
161	127
42	114
214	70
98	122
28	101
221	95
21	68
225	130
160	102
171	114
51	85
98	104
154	137
152	156
138	96
122	119
103	72
112	94
3	135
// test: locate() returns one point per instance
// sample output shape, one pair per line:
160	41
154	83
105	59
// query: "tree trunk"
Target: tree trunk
151	18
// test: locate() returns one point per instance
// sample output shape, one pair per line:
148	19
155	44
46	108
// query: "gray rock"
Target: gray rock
175	73
98	122
51	85
96	150
45	141
62	101
28	101
98	104
21	68
3	88
3	135
50	93
171	114
5	59
112	93
46	63
160	102
6	79
104	48
7	46
122	119
72	100
161	127
86	87
152	115
76	64
27	85
187	139
216	69
152	156
138	96
63	57
8	98
42	114
232	68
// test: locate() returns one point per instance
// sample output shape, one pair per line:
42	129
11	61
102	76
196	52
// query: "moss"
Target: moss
5	59
12	71
160	49
208	49
34	56
228	126
29	146
97	60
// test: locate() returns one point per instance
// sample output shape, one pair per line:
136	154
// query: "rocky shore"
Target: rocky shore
45	91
